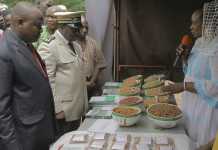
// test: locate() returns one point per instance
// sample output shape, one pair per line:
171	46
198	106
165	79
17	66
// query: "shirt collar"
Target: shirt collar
62	37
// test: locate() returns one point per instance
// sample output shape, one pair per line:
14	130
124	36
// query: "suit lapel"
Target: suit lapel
18	45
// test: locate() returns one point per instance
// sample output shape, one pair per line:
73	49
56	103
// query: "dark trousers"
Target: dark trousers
64	126
94	91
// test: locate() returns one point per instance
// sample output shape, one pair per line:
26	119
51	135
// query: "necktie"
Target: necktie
38	60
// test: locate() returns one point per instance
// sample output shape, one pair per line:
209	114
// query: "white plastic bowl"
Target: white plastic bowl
163	123
127	120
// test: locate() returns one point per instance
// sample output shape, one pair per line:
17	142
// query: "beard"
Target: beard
83	36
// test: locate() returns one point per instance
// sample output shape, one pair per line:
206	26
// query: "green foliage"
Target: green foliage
10	3
73	5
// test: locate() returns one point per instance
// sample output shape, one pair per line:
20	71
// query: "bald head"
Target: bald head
26	21
25	10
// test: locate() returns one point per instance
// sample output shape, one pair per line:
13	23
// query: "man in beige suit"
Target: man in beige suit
64	67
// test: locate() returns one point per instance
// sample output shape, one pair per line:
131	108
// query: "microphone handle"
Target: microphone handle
178	56
170	72
176	60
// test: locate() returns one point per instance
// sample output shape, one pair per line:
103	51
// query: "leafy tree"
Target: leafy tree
73	5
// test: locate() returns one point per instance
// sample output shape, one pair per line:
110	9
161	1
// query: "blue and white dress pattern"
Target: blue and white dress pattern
201	109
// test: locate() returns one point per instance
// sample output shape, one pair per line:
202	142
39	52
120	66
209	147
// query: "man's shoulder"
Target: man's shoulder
57	41
90	39
92	43
53	45
55	38
5	50
46	41
51	39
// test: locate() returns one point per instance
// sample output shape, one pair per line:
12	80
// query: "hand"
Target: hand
173	88
90	84
184	52
60	147
60	115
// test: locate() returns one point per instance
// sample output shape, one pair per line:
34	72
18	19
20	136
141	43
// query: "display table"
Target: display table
143	127
181	141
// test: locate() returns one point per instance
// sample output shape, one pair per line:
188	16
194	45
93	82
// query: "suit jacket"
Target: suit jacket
64	67
26	101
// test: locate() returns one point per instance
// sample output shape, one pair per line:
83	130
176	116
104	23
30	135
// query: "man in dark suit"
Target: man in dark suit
26	102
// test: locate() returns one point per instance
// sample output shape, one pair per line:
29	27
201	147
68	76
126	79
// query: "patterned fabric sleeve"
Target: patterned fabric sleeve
99	57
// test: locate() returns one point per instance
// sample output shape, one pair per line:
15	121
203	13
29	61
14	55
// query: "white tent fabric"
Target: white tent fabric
100	14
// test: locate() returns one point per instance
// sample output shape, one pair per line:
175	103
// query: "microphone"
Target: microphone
186	42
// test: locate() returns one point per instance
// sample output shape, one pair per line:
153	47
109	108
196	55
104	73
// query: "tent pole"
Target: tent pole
114	40
117	39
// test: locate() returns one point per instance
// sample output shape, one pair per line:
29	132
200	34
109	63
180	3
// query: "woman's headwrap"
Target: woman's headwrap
210	20
208	43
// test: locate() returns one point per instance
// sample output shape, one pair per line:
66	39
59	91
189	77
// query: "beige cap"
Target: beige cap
70	18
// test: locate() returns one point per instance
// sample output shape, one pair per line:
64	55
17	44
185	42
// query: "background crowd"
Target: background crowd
49	68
